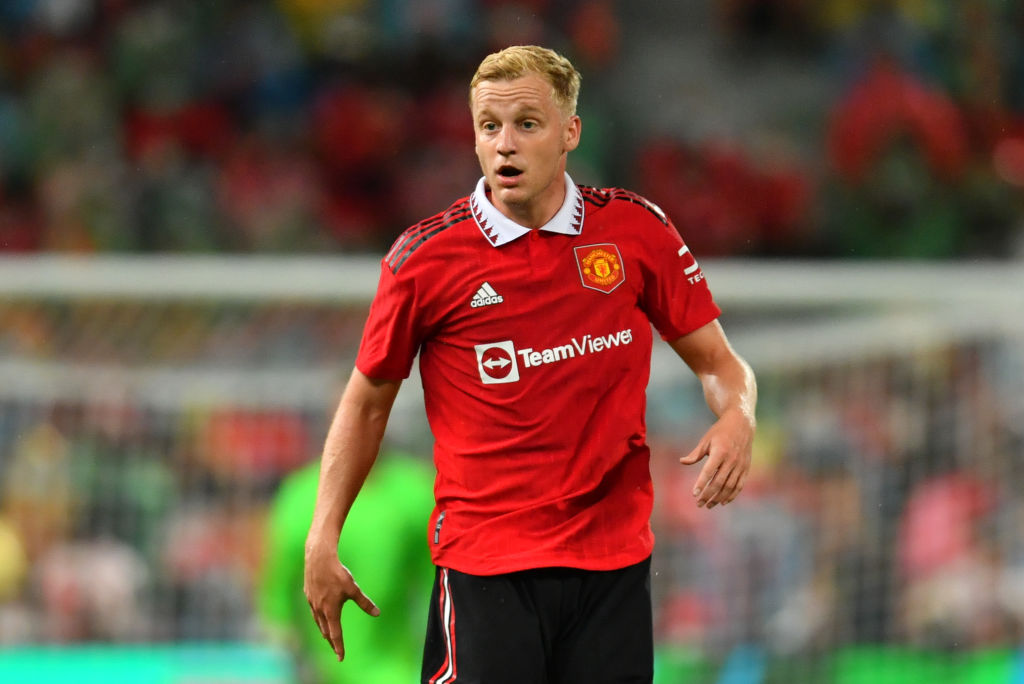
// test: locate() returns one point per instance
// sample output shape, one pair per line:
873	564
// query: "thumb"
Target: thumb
364	602
699	452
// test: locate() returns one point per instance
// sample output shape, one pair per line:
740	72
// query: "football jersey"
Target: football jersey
534	353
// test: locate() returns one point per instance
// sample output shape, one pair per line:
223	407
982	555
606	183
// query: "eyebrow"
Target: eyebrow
529	110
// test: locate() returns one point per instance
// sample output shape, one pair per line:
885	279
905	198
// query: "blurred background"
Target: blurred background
194	198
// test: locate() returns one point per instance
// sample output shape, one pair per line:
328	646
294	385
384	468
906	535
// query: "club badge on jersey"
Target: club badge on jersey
600	267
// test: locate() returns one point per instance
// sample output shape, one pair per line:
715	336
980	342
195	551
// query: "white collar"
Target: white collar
499	229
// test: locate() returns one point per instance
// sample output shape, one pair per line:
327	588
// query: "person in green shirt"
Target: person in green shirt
384	547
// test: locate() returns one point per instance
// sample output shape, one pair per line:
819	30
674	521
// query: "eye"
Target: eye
529	124
489	126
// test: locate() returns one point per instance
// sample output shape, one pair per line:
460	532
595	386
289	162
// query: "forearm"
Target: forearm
731	387
728	381
350	450
731	393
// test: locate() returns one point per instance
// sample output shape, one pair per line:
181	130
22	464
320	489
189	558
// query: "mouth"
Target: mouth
509	171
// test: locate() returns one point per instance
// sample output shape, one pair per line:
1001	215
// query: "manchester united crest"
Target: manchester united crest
600	267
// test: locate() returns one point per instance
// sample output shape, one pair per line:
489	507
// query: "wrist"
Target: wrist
321	543
743	413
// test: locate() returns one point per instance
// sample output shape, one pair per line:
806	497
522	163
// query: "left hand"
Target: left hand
727	445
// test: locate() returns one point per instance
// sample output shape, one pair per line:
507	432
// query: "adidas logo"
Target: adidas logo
486	296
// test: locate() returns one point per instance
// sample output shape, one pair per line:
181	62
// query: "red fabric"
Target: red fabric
550	469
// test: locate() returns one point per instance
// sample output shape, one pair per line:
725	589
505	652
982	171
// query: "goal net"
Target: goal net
150	407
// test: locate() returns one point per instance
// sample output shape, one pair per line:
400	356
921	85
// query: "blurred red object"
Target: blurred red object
594	31
720	201
202	128
358	129
21	229
938	527
1008	158
255	444
886	104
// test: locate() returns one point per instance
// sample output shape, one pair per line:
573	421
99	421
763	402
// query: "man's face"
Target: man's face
522	139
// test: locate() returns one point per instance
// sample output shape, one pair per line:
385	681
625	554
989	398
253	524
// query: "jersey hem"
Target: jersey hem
472	565
382	375
675	334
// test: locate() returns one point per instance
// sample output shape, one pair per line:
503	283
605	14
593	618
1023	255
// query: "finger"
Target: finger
334	634
318	619
707	474
699	452
364	602
732	486
739	486
726	480
708	481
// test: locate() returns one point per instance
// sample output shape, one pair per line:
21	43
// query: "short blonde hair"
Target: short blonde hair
519	60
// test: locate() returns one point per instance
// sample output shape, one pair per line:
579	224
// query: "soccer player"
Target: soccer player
530	303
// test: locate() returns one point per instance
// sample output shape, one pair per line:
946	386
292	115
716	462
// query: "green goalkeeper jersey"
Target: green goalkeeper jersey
383	545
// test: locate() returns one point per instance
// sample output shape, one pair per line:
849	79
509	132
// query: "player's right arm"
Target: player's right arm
349	452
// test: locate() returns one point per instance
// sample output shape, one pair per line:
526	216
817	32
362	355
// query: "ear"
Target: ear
572	131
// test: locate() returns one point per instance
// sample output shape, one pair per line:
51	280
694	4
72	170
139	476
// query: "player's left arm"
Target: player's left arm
730	390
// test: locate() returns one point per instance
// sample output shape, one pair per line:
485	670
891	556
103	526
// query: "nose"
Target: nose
506	141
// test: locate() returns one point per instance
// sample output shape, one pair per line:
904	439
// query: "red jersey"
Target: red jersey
534	349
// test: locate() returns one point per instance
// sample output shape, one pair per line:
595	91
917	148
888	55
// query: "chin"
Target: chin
504	192
511	196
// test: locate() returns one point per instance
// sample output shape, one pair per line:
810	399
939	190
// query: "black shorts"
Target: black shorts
544	626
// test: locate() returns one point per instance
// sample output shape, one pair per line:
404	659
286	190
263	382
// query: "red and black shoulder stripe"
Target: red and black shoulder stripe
416	236
600	197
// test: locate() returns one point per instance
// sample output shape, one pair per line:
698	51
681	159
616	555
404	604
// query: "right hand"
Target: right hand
327	585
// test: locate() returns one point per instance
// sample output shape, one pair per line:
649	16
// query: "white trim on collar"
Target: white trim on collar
499	229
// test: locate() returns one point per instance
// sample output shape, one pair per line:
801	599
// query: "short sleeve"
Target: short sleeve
392	335
675	297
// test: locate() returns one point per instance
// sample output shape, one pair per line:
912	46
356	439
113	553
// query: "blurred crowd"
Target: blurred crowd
123	523
140	447
882	508
244	126
285	125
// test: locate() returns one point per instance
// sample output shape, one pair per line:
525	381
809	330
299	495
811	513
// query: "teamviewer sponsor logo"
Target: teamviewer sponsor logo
588	344
496	362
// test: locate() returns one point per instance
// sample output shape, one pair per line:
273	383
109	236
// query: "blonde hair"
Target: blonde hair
519	60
